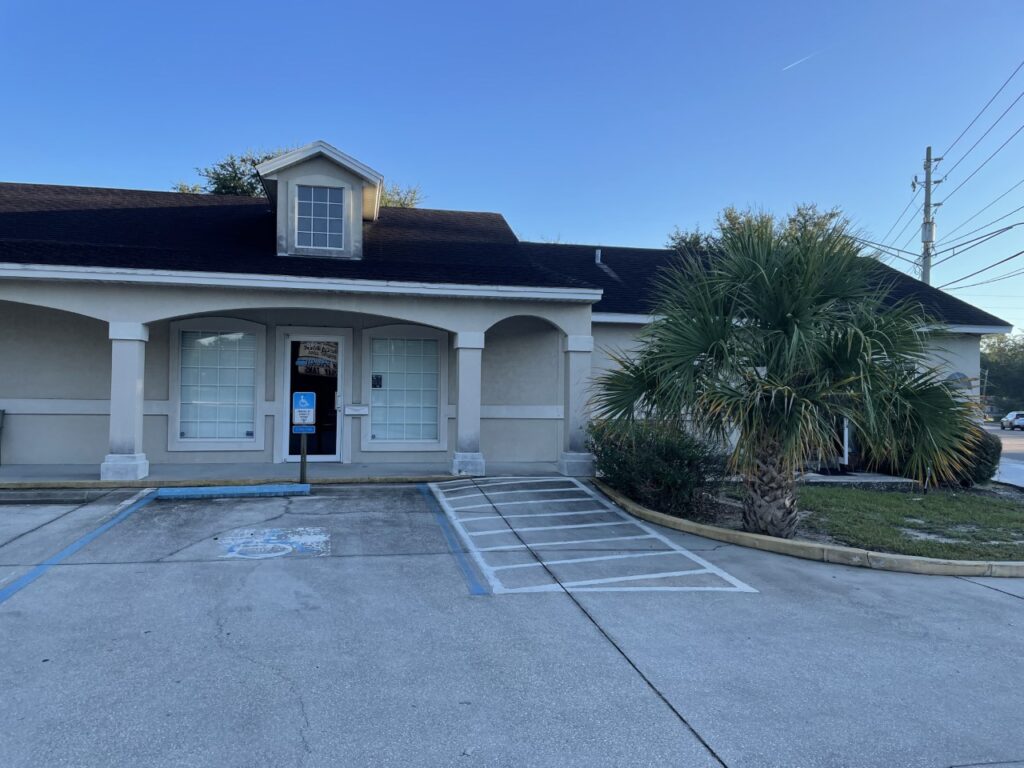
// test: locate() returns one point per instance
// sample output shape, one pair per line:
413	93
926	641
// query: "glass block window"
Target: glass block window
320	217
404	389
218	385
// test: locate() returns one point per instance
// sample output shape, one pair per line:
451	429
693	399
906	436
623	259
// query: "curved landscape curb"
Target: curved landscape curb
825	553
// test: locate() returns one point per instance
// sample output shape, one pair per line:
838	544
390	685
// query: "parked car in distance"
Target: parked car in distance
1012	420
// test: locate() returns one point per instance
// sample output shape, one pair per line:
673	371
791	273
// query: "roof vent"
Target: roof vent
597	256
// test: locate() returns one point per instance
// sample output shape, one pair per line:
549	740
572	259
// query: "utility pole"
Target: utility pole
928	224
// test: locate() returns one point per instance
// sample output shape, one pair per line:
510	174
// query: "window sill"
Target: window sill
321	253
409	446
215	445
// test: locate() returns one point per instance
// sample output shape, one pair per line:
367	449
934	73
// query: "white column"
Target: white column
468	459
126	460
575	461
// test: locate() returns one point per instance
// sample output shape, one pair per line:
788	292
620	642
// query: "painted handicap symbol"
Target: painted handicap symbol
263	543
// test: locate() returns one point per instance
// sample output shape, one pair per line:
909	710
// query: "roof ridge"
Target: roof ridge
438	210
598	245
129	189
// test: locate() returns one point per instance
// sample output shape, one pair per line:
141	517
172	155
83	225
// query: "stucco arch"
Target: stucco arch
290	314
522	389
51	353
54	307
151	303
29	294
527	316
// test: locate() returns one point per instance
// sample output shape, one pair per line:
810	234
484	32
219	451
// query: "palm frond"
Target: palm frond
780	335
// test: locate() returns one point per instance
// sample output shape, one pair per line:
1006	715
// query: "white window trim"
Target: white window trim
282	414
408	332
228	325
344	217
347	208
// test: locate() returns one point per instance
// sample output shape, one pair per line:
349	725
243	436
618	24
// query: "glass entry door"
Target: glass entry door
314	364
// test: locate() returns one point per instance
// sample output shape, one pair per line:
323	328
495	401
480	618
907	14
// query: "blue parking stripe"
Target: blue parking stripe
20	583
472	582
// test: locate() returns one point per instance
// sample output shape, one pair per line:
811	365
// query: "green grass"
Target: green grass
979	526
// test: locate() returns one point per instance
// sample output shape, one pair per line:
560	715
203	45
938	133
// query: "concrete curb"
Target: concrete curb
825	553
15	485
195	492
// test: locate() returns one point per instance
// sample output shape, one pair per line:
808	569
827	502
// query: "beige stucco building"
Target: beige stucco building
155	327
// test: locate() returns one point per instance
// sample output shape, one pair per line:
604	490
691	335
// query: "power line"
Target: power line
983	269
899	218
987	104
928	227
979	237
909	222
912	234
975	171
989	224
981	240
982	137
997	279
887	250
981	211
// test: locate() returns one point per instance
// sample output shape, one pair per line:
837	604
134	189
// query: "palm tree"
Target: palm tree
770	340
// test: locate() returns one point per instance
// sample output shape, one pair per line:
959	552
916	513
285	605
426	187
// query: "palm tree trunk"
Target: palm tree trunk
770	506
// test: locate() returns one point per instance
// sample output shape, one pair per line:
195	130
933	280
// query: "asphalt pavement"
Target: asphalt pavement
355	627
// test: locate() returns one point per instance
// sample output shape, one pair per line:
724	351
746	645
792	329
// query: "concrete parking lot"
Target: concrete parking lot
356	627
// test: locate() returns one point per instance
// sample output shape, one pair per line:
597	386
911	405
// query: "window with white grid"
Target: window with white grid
218	385
320	217
404	389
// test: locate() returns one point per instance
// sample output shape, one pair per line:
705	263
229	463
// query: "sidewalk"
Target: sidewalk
1011	472
87	475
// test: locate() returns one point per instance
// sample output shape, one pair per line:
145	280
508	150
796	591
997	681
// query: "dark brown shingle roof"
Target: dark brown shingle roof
627	276
137	229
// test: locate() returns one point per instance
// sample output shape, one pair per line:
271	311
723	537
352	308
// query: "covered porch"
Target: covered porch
501	384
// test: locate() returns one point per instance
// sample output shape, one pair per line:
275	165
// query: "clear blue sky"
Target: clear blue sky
591	122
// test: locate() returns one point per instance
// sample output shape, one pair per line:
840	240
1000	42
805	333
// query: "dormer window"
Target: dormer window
319	222
321	197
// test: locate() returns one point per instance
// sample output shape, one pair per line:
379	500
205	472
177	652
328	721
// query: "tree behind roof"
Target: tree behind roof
236	175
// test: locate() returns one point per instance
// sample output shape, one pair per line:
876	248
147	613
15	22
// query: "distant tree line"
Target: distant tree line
1002	371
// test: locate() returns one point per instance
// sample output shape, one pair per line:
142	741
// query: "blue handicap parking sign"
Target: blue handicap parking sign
303	407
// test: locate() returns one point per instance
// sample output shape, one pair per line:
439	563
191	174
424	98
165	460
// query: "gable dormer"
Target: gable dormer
322	197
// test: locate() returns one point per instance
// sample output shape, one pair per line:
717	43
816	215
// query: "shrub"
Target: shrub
984	459
658	465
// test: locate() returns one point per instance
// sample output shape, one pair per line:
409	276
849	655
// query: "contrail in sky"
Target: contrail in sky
800	61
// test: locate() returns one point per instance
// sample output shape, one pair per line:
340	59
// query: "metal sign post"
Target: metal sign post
302	459
303	423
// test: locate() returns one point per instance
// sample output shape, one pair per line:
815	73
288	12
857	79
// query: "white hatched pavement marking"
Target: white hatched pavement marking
562	543
538	563
475	490
518	503
546	528
537	514
522	490
588	585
